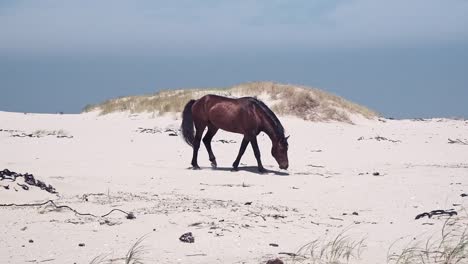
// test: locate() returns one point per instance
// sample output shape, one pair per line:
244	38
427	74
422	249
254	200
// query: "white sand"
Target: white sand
330	174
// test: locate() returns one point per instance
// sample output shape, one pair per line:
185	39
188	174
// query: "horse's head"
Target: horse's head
280	152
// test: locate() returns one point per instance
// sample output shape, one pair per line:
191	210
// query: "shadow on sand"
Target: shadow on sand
251	169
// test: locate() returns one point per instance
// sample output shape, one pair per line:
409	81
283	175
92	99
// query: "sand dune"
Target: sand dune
369	180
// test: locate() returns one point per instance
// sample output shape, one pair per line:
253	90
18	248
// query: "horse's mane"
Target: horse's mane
279	129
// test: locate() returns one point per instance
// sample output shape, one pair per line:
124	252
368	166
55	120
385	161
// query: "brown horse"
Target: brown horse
248	116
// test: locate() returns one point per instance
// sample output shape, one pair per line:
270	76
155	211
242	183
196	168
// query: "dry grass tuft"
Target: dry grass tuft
136	252
450	248
99	259
340	249
303	102
135	255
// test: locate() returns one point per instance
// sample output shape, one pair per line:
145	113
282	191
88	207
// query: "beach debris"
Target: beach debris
256	214
379	138
57	207
40	134
276	216
248	203
196	255
458	141
109	222
375	173
29	179
273	245
130	215
315	166
244	185
226	141
31	241
275	261
353	213
187	238
170	132
464	194
450	212
288	254
24	186
81	244
148	130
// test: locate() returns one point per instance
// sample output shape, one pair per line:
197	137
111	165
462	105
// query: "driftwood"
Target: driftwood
450	212
457	141
128	215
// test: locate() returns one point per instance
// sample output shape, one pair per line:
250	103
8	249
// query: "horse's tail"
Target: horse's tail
187	123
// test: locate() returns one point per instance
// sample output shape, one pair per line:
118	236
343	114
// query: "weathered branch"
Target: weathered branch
128	215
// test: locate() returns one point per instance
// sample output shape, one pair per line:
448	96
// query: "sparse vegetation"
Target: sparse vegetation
43	133
340	249
136	252
135	255
451	247
303	102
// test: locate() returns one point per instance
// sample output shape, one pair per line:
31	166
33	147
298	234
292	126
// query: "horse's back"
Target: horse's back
230	114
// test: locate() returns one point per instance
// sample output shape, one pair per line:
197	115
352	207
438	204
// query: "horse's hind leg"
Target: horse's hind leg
243	146
207	141
196	144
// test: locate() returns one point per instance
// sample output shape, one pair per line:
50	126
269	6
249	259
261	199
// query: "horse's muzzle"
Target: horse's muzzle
284	166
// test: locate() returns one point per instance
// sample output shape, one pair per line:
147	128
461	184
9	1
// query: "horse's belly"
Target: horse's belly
231	120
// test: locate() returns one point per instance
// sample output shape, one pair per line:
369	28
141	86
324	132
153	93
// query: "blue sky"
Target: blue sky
403	58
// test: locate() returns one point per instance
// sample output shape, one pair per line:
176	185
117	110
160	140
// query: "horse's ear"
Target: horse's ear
287	138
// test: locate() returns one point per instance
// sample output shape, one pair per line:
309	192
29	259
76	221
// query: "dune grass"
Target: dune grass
135	255
449	247
303	102
339	250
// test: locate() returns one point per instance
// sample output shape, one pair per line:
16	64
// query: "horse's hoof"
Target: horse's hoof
234	169
262	170
196	167
214	165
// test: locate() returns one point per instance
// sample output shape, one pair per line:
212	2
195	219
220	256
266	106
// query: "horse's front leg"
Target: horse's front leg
257	154
243	146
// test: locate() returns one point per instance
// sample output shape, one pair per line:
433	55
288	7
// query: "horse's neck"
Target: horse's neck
270	131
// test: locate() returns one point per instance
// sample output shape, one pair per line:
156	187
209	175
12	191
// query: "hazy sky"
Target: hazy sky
403	58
